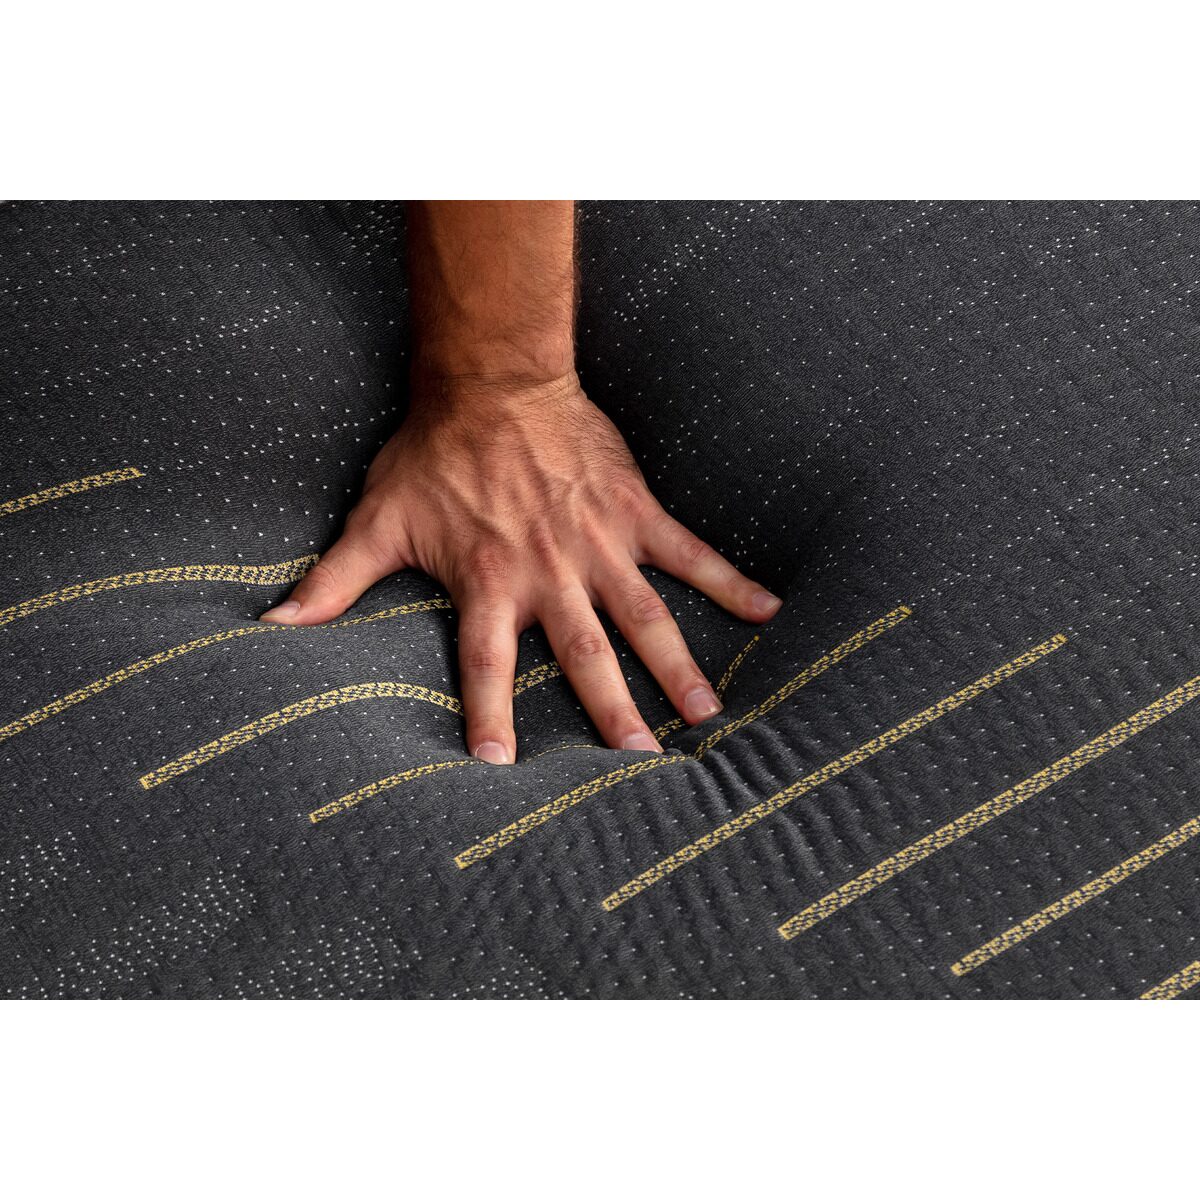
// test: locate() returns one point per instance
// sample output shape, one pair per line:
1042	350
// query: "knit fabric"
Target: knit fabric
960	439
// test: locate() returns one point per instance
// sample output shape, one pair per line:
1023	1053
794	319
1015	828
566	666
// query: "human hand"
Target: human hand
523	500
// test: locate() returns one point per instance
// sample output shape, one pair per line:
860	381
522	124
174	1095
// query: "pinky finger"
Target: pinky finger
676	549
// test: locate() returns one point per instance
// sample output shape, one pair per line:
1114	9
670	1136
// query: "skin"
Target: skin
511	488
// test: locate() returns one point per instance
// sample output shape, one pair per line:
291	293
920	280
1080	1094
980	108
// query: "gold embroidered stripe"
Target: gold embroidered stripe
536	675
400	610
831	770
540	816
1077	899
667	727
848	647
1175	985
678	722
554	808
295	712
271	573
68	489
990	809
382	785
738	659
526	758
20	724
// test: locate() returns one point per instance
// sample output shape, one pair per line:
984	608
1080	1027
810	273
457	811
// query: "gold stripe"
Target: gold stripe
294	712
531	678
382	785
68	489
510	833
540	816
438	603
990	810
859	755
1175	985
855	642
271	573
1077	899
525	758
738	659
30	719
534	676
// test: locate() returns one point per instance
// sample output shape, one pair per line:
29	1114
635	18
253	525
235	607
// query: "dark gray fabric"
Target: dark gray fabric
985	414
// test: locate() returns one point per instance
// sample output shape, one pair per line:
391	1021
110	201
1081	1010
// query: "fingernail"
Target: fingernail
700	704
764	604
641	741
282	613
493	752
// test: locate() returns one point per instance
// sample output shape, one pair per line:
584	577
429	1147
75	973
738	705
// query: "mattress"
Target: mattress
960	439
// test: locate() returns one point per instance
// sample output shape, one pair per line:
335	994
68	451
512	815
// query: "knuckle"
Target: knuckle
627	496
647	608
324	577
485	661
373	527
365	517
694	551
543	545
584	645
487	566
621	717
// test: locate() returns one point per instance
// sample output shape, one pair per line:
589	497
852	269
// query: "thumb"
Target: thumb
344	572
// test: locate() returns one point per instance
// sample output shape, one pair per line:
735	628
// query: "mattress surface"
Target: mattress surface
959	439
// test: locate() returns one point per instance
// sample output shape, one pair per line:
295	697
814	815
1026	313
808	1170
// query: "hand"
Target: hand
524	501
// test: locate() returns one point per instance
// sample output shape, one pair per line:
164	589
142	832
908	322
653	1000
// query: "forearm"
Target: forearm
492	291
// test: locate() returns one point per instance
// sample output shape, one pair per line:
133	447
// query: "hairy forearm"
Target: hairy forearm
492	290
507	484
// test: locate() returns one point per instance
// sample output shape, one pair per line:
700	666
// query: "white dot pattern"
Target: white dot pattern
984	412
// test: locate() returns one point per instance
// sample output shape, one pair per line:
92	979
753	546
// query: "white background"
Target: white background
625	98
1073	1100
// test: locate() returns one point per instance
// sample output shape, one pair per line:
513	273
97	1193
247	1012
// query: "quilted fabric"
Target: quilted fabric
960	439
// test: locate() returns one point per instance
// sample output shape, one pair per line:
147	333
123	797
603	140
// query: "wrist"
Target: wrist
534	363
496	395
